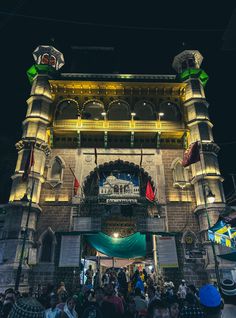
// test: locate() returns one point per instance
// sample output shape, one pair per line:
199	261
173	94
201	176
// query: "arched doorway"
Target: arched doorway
116	193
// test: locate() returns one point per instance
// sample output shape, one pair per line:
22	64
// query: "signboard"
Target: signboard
119	187
70	251
167	254
32	258
150	225
86	224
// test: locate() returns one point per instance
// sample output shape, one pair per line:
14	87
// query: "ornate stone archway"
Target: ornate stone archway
118	217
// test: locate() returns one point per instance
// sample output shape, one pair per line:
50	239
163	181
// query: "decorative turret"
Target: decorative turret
48	55
36	126
206	173
187	59
48	60
187	64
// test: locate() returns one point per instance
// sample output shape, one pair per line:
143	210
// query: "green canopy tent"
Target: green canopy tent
133	246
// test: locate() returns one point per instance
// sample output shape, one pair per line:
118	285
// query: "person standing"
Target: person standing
89	275
62	289
127	275
108	309
140	303
53	311
96	280
182	291
69	309
122	281
115	300
105	278
210	301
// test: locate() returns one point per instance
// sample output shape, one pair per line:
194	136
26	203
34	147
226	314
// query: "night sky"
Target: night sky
145	39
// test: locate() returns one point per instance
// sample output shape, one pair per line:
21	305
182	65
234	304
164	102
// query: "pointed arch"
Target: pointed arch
47	242
55	170
180	174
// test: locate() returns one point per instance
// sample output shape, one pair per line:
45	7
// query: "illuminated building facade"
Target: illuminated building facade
108	127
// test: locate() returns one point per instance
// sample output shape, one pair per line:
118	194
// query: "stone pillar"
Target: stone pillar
205	173
36	127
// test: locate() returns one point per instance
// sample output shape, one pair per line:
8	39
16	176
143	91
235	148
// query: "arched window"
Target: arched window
55	171
119	110
180	174
144	111
67	109
47	246
93	110
171	111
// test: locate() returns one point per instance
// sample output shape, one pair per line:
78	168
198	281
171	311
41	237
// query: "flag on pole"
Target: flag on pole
191	155
141	158
150	195
95	156
28	164
76	184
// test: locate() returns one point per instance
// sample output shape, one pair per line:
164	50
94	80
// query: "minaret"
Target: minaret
206	173
36	135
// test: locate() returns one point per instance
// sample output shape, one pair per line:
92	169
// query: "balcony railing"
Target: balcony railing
113	125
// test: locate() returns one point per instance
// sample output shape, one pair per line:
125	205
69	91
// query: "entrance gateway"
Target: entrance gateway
116	134
118	223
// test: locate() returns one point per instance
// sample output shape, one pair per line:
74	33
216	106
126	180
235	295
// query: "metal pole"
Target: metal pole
212	243
154	245
19	269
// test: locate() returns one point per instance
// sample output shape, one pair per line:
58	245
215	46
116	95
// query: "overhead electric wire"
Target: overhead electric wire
106	25
226	143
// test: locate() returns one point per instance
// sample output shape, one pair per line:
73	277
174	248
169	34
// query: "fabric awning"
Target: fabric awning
132	246
223	233
229	256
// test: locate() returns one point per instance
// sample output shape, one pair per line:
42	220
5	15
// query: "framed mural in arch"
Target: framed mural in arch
119	187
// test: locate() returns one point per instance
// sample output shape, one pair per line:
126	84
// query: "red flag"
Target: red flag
76	186
191	155
76	182
150	195
28	164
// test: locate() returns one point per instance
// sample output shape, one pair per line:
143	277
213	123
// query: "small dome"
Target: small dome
111	178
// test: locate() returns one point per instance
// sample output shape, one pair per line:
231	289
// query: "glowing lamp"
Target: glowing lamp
116	235
210	197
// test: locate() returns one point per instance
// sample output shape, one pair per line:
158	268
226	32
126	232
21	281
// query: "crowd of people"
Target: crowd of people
118	295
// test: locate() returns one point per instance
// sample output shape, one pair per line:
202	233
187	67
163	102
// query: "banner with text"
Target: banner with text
167	254
70	251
